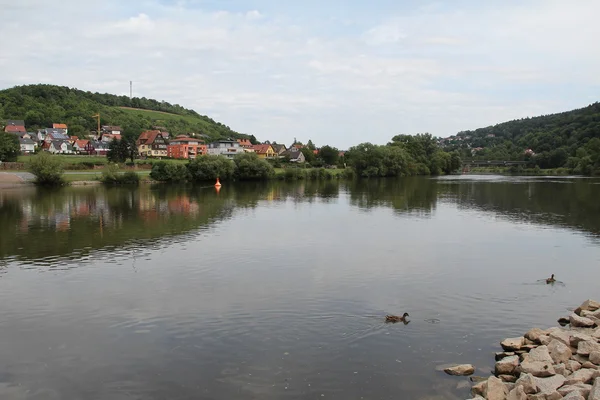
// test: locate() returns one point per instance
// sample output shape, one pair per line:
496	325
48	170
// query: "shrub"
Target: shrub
249	167
111	175
47	169
292	174
207	168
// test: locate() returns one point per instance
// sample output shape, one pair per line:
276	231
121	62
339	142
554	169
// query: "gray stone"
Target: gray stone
540	353
534	334
496	389
588	347
460	370
512	344
559	352
561	336
561	369
517	394
590	314
573	365
580	322
503	354
549	385
584	375
595	392
579	358
528	383
595	357
577	337
580	388
538	368
545	339
479	388
507	378
588	305
574	396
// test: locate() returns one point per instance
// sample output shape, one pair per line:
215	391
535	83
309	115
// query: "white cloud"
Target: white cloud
271	74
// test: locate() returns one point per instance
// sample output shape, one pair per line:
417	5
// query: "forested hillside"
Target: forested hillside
42	105
570	139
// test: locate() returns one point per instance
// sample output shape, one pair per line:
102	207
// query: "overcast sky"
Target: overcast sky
337	72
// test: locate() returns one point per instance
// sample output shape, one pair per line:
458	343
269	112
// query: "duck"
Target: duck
395	318
551	279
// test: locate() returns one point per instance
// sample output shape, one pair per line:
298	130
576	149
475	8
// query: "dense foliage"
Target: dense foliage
120	150
42	105
47	169
111	175
568	139
9	147
249	167
405	155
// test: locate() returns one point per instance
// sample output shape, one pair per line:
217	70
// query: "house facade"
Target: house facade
27	145
113	130
295	156
227	148
245	143
60	147
279	149
264	150
80	146
185	147
152	144
60	126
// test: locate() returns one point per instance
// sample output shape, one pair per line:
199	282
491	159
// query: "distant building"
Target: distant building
55	134
27	145
15	126
108	137
61	126
491	135
80	146
152	144
60	147
529	152
185	147
295	155
245	143
113	130
228	148
264	150
279	148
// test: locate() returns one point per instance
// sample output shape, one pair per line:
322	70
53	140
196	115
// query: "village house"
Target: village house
264	150
109	137
15	126
27	145
152	144
113	130
228	148
60	126
185	147
80	146
60	147
51	134
245	143
279	149
295	155
95	148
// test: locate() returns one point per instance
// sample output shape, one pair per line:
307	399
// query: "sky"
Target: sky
336	72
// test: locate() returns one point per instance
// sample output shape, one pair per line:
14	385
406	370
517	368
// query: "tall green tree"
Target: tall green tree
118	151
9	147
329	155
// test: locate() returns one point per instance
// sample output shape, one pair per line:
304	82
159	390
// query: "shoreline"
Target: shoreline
561	362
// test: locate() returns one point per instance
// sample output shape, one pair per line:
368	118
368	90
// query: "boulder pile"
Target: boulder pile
551	364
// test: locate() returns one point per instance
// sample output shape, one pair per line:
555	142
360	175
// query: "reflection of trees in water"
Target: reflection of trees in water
572	203
415	195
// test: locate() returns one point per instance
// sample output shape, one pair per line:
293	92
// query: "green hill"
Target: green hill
569	139
41	105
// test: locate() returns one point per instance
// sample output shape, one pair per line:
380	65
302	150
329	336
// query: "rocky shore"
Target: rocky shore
551	364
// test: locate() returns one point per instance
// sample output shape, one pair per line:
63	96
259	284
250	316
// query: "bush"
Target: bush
129	178
292	174
249	167
47	169
111	175
9	147
208	168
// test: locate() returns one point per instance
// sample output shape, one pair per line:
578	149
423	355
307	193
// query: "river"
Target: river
279	291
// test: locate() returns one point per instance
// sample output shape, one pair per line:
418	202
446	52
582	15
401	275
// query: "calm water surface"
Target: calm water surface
275	291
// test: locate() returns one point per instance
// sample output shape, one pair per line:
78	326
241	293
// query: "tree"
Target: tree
329	155
310	145
253	140
309	156
249	167
9	147
118	151
47	169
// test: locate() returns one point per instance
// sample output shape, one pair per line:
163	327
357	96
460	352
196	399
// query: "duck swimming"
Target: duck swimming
551	279
395	318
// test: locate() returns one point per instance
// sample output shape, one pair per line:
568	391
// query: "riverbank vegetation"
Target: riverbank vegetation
9	147
48	171
112	176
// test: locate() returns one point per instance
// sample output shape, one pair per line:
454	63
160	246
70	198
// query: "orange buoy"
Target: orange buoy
218	184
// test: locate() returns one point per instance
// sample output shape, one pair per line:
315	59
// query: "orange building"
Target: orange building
185	147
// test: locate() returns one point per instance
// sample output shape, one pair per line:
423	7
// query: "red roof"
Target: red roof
59	126
14	129
261	148
81	143
244	142
147	137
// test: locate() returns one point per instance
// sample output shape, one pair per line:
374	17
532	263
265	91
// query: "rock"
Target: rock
590	314
554	396
507	365
595	392
588	305
559	351
580	388
512	344
563	321
460	370
517	394
583	375
579	358
477	379
480	388
496	389
549	385
538	368
580	322
507	378
589	364
534	335
561	369
588	347
596	333
577	337
561	336
573	365
503	354
574	396
540	353
595	357
528	383
545	339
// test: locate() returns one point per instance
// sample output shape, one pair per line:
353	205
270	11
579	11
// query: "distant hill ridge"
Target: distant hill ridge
41	105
